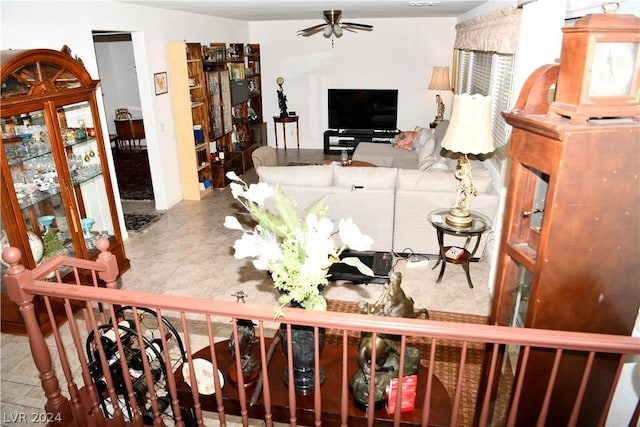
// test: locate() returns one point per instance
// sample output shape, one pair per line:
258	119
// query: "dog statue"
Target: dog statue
393	301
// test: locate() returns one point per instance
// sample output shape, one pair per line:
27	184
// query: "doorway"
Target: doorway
119	82
118	79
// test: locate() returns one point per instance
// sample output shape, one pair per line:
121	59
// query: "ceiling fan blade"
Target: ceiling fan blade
356	26
310	32
315	27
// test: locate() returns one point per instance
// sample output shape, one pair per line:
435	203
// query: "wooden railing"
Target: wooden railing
87	386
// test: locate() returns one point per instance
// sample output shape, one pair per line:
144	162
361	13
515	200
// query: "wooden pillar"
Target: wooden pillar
106	258
57	405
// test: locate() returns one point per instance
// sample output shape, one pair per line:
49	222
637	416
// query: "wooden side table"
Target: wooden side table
480	223
284	121
331	359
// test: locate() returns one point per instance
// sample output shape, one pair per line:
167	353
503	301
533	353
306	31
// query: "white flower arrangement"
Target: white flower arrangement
296	251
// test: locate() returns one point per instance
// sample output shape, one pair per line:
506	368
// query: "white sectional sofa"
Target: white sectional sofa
388	203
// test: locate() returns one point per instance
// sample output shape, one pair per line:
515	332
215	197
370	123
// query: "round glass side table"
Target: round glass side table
453	254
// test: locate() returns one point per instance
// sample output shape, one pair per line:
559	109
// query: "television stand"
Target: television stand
337	140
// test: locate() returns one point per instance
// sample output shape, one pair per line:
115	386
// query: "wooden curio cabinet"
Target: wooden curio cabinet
57	194
570	246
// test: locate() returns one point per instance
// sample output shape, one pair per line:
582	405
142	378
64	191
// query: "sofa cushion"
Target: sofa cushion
380	154
309	176
404	159
434	165
371	209
426	156
424	134
438	134
439	181
366	177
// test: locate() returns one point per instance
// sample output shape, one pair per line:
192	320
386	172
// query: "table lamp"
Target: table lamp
439	81
469	132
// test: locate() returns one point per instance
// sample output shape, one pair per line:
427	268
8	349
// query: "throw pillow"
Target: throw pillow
426	157
439	133
423	136
405	140
440	165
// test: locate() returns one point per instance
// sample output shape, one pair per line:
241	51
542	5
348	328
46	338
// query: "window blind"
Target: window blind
489	73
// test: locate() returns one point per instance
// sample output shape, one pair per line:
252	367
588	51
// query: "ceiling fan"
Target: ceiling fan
333	26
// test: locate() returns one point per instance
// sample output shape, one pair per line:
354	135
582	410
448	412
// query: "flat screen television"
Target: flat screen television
363	109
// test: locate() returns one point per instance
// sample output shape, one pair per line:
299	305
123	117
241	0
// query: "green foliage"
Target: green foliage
52	245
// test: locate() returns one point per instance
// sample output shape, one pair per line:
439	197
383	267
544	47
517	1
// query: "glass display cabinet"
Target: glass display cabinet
56	188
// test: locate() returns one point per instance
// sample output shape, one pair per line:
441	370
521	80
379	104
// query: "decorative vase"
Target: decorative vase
36	245
46	221
302	346
86	224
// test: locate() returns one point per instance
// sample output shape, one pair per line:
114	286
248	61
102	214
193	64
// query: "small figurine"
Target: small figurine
249	366
282	98
440	113
466	188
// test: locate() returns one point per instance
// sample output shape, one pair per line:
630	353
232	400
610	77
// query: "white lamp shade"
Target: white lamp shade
469	130
440	79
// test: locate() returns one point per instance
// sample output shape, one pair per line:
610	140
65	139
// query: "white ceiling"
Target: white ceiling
276	10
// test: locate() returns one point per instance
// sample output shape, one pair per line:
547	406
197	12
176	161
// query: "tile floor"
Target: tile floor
188	247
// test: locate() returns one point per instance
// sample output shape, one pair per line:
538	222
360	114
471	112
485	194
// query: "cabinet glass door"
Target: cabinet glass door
225	90
216	108
35	179
84	166
531	198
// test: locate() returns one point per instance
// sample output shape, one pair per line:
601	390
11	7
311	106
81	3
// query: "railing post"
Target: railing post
17	275
109	260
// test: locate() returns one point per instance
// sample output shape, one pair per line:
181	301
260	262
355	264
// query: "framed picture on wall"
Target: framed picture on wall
160	83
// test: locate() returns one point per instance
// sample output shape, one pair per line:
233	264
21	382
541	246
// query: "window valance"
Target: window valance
496	31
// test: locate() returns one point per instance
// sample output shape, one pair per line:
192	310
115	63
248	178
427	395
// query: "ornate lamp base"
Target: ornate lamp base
459	218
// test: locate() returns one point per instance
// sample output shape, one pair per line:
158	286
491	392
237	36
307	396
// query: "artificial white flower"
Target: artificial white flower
232	223
248	246
258	193
296	251
237	191
233	176
351	236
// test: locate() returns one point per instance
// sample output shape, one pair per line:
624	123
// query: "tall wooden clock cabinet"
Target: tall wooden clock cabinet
570	247
56	189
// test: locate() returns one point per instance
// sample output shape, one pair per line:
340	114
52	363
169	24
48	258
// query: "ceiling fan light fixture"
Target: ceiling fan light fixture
332	16
333	27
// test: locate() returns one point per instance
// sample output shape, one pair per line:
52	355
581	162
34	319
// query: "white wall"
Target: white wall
118	79
397	54
54	24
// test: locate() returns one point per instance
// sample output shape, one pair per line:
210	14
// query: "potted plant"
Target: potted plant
297	251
